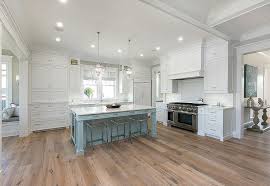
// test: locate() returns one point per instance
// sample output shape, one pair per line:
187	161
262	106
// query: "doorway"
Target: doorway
241	51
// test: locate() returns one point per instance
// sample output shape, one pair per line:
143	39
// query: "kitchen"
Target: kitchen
194	97
129	92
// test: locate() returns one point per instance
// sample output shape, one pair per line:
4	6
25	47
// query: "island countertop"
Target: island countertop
88	110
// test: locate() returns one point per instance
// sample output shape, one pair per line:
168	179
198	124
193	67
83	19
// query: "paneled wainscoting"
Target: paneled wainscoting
176	157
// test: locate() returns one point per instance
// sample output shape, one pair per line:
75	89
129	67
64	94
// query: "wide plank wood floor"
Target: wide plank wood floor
176	157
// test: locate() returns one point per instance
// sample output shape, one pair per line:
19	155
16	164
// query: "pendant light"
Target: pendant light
128	69
99	68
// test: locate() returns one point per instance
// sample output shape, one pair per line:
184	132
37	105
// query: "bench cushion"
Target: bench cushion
11	119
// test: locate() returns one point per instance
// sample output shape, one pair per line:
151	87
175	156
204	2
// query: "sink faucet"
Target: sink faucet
201	99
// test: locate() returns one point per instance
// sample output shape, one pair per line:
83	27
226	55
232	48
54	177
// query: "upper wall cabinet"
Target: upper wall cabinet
186	62
49	78
166	85
218	67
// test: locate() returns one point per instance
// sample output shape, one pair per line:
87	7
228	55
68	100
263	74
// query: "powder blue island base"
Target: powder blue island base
83	114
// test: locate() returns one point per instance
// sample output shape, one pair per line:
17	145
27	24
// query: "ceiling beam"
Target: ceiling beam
157	4
233	10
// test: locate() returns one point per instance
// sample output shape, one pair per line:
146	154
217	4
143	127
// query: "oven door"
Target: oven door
186	120
170	116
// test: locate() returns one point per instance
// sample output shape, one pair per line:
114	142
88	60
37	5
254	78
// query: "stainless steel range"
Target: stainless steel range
183	115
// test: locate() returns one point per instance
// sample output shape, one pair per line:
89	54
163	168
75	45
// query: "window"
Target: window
4	85
108	89
104	87
93	84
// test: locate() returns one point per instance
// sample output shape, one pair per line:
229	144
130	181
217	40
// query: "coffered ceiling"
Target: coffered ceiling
148	27
117	20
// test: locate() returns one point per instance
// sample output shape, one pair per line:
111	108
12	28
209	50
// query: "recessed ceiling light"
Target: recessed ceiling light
264	54
158	48
180	38
58	39
59	25
63	1
141	55
93	46
119	51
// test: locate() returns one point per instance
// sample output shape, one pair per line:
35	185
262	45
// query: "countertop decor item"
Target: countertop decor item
89	92
114	105
250	102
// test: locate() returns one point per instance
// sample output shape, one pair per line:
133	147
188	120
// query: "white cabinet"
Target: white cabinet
74	79
218	67
48	116
186	62
49	91
142	93
58	77
46	76
218	122
48	81
39	77
166	85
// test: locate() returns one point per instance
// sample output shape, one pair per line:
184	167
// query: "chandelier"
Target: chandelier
99	67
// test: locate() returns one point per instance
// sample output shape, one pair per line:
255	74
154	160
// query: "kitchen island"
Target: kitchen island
81	115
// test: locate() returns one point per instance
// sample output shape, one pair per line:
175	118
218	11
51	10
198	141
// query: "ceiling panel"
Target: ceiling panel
117	20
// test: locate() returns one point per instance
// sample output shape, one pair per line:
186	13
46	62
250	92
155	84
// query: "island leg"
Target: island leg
154	124
80	138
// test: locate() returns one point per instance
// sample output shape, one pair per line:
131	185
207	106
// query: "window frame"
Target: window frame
99	80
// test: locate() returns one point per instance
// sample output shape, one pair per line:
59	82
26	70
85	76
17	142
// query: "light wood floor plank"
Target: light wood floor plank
176	157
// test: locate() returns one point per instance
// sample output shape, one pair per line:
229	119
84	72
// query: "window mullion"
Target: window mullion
100	91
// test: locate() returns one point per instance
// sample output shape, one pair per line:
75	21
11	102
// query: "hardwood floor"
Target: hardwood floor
176	157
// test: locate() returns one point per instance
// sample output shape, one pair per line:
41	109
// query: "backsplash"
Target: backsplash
223	99
193	90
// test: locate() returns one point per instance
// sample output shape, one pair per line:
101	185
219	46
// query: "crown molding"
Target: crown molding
238	8
11	26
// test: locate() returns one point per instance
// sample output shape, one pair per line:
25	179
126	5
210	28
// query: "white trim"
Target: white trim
239	97
24	127
157	4
233	10
10	25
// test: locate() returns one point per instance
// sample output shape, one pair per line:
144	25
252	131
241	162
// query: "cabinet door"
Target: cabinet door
163	78
74	81
142	94
58	78
40	76
211	76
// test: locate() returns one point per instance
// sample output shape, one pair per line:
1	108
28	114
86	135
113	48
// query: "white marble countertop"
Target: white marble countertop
88	110
220	107
79	103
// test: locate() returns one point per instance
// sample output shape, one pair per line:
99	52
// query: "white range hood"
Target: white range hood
187	62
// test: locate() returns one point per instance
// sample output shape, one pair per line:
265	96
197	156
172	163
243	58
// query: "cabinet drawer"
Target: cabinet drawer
48	107
211	128
44	125
48	115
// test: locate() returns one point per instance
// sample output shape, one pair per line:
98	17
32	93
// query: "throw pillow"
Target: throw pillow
7	113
